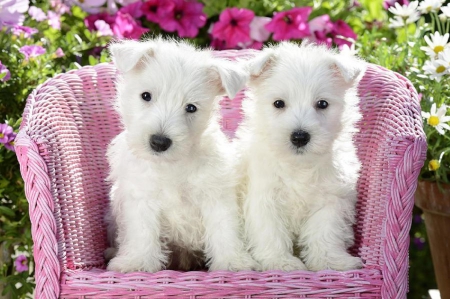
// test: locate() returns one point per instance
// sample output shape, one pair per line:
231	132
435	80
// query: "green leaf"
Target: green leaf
7	211
92	60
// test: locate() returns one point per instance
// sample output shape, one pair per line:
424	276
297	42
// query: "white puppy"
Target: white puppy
298	160
171	169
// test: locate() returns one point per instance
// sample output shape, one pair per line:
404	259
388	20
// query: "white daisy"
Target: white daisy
396	22
437	119
436	44
404	11
428	6
444	56
435	69
446	10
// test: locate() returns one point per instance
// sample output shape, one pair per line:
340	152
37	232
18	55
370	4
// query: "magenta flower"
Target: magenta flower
36	13
102	28
11	11
21	263
234	26
59	52
127	27
31	51
6	132
10	144
54	20
290	24
133	9
151	9
23	30
343	34
388	3
258	31
89	21
185	17
321	28
6	76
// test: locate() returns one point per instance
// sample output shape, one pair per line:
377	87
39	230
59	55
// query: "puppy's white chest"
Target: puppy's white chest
181	218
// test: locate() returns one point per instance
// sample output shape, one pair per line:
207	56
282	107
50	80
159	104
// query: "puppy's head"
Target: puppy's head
304	97
167	94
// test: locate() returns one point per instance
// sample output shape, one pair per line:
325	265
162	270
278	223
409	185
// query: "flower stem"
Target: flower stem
438	21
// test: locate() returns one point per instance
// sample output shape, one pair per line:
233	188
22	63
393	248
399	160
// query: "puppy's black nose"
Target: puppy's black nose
160	143
300	138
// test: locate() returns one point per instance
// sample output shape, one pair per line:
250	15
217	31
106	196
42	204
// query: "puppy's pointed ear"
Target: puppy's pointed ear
127	54
231	78
261	63
349	67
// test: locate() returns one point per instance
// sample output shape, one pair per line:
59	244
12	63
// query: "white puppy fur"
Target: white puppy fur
300	195
175	195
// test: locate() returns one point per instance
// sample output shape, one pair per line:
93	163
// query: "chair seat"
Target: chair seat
365	283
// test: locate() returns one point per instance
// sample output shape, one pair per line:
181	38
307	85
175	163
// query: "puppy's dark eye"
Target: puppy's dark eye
322	104
146	96
278	104
190	108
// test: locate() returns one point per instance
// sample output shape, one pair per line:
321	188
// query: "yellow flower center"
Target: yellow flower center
2	135
438	49
440	69
429	8
433	120
434	165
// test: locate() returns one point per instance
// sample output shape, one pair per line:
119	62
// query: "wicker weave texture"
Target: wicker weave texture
68	123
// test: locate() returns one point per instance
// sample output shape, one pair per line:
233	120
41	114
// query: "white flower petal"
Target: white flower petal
440	130
433	109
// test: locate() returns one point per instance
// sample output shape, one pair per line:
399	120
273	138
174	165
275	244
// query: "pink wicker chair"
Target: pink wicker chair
69	121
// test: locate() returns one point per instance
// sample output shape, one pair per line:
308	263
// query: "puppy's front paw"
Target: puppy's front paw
242	262
284	263
341	262
126	264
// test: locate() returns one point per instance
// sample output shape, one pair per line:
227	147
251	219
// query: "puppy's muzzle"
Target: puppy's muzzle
300	138
160	143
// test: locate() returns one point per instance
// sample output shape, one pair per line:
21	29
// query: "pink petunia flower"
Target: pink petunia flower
290	24
11	12
10	144
7	76
59	7
321	28
343	34
89	21
24	30
133	9
90	6
126	26
5	133
31	51
59	52
36	13
234	26
21	263
185	17
151	9
258	31
54	20
102	28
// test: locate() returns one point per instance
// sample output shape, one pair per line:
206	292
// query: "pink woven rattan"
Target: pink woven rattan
69	121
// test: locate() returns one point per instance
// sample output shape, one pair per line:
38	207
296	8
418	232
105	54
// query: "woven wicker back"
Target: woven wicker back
72	120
